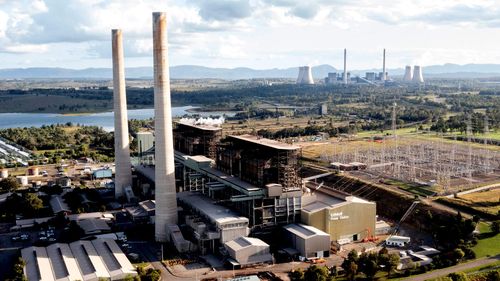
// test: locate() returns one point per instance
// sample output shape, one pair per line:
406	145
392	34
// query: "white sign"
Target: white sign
338	216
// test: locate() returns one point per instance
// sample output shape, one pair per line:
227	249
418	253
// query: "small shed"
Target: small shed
397	241
102	174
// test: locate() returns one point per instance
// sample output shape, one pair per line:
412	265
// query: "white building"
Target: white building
248	251
397	241
80	260
309	241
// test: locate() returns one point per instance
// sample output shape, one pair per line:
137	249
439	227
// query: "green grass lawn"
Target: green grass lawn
488	243
412	187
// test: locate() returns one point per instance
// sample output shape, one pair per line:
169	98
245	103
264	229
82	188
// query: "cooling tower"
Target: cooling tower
408	76
123	173
305	75
417	74
165	193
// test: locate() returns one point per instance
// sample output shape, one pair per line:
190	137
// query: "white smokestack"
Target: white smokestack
165	193
384	74
345	66
123	173
417	74
408	76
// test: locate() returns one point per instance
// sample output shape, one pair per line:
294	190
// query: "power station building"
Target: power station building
193	139
344	217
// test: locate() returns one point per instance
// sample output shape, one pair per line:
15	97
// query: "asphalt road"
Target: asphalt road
456	268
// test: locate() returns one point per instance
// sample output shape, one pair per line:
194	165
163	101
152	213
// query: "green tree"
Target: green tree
458	276
495	227
390	262
9	184
317	273
33	202
493	275
297	275
350	265
458	254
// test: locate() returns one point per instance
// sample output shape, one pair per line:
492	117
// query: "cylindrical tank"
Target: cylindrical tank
23	180
33	171
4	173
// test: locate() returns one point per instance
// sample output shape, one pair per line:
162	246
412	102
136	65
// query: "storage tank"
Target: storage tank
33	171
4	173
23	180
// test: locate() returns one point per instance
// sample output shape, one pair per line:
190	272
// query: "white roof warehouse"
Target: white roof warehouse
80	260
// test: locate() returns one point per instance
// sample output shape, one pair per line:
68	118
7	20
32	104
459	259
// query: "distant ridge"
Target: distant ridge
202	72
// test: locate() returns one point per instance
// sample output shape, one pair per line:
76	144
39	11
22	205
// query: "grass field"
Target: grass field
486	201
412	187
488	243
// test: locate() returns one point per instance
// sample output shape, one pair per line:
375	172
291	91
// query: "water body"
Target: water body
104	119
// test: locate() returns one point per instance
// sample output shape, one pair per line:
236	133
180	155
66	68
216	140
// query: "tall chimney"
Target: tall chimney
345	66
384	74
123	173
165	194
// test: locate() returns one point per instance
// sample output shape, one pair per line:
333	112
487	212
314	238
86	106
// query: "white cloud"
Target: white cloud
258	33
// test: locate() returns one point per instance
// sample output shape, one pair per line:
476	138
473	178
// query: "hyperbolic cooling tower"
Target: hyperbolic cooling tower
417	74
408	76
123	173
305	75
165	193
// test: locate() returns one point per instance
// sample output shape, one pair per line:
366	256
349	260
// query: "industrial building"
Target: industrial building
211	224
309	241
246	251
145	141
344	217
193	139
272	167
144	212
80	260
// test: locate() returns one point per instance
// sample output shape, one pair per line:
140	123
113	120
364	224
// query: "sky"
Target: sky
260	34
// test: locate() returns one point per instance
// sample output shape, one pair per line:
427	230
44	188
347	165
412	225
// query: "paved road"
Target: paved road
456	268
491	186
148	251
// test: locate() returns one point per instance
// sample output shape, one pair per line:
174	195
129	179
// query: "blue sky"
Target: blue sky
251	33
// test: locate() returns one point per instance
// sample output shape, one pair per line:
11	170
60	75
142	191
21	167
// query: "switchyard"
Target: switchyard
445	166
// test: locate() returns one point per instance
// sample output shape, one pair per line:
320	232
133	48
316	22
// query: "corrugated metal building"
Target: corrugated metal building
248	251
80	260
346	218
309	241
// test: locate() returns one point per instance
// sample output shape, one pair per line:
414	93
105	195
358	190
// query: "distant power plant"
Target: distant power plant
305	75
413	77
371	78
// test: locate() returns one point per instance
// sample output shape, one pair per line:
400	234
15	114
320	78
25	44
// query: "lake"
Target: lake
104	119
